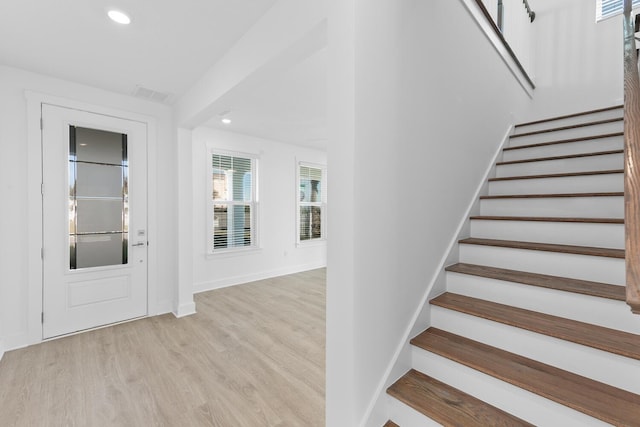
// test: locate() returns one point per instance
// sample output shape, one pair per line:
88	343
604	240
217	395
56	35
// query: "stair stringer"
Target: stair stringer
378	409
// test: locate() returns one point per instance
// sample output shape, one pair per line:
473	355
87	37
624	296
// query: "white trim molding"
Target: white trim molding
184	304
322	204
246	278
33	333
186	309
253	203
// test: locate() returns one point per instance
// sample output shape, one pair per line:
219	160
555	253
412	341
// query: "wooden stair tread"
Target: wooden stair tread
565	141
557	175
585	287
553	195
390	424
546	247
602	401
563	157
568	116
548	219
576	126
448	405
606	339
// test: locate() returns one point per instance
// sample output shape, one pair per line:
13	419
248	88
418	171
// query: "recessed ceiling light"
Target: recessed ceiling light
226	121
119	17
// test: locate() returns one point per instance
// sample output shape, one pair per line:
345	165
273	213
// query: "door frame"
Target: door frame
35	219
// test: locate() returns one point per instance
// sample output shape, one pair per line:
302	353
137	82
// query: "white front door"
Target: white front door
94	220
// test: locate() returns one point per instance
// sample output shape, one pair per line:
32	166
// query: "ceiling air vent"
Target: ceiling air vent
152	95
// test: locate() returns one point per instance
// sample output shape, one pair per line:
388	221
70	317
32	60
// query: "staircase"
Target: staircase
533	328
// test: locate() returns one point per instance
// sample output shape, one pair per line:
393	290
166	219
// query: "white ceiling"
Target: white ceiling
167	48
290	107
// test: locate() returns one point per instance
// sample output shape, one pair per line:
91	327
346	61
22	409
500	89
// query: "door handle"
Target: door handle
140	244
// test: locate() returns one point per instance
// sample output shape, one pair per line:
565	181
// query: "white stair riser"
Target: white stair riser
405	416
567	134
604	312
563	233
584	267
570	184
514	400
586	118
566	207
621	372
578	147
574	164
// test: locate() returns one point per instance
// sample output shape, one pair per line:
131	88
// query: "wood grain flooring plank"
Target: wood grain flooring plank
252	356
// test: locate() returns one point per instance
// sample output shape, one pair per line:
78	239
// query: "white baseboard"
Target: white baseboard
185	310
252	277
162	307
376	404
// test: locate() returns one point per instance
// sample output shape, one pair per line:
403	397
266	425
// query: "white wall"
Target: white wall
578	63
277	187
15	317
419	101
431	106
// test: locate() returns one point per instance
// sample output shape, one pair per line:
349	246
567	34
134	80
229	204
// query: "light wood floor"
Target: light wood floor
252	356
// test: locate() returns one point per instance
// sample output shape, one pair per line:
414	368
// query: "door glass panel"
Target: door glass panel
98	198
99	146
95	250
99	180
99	216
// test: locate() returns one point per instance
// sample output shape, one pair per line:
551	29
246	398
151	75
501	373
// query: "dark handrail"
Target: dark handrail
631	161
531	13
493	24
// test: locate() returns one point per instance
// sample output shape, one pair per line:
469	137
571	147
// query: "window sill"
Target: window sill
311	243
230	253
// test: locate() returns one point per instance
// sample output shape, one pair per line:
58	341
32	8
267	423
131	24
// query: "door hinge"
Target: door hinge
41	124
41	253
42	317
42	188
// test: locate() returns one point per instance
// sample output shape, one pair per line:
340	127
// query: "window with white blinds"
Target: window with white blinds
232	210
608	8
311	202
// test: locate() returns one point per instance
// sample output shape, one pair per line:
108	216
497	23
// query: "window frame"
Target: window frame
210	202
322	204
616	10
